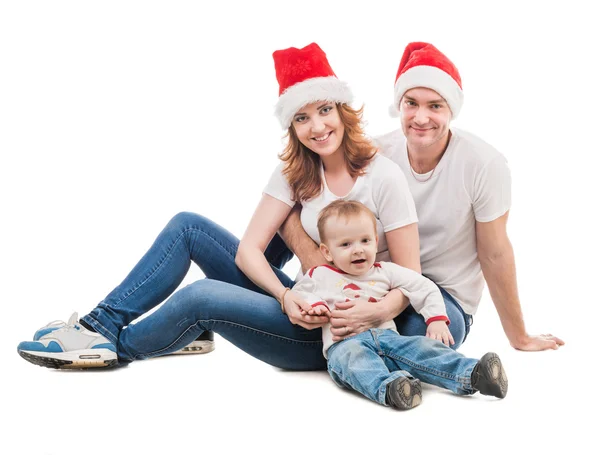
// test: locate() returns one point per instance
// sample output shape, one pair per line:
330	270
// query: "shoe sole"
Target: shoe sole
89	358
197	347
493	372
408	393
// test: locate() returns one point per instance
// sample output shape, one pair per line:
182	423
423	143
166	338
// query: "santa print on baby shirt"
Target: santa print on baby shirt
327	285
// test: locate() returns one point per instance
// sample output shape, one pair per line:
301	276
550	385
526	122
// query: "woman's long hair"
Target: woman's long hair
303	167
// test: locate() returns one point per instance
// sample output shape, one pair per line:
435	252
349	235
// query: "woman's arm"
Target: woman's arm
267	218
250	259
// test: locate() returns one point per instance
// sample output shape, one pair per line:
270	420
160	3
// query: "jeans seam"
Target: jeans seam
105	332
422	368
199	323
376	341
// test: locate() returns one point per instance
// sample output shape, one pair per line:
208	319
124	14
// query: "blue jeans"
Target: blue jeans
411	323
369	361
226	301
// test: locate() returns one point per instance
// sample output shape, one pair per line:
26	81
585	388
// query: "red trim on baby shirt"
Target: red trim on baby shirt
377	264
438	318
310	272
334	269
373	300
319	303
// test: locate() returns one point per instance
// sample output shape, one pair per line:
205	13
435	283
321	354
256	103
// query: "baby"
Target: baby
379	363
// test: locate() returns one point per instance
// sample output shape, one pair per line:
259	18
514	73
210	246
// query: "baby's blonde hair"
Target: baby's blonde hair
342	209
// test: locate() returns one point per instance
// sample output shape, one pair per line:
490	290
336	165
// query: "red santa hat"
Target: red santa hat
304	77
423	65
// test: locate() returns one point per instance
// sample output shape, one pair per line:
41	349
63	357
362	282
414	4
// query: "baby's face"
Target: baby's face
351	243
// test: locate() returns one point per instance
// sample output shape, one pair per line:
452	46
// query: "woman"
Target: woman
327	157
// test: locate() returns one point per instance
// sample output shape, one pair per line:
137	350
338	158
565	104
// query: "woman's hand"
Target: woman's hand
354	317
297	310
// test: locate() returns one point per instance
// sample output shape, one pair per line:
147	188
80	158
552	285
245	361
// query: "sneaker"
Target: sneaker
70	346
403	393
204	344
50	327
488	376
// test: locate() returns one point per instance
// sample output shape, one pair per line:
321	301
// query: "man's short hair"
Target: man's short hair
342	209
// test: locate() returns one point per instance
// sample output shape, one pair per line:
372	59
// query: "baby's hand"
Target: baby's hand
319	310
438	330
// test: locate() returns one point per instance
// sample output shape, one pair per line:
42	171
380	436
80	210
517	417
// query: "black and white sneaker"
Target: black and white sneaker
489	377
404	393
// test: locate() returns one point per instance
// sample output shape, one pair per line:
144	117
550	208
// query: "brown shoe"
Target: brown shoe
403	393
488	376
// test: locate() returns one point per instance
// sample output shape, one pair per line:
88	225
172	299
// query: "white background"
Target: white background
114	116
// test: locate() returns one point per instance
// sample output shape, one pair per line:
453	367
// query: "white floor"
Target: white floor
226	401
116	115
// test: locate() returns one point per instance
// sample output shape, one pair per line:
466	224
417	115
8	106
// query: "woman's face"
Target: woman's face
319	127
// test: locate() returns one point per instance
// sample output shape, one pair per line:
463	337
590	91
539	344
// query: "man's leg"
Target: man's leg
410	323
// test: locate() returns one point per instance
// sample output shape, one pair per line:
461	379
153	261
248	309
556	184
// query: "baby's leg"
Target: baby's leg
435	363
355	364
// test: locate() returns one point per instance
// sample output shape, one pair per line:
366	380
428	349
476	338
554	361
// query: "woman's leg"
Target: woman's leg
410	323
187	237
250	320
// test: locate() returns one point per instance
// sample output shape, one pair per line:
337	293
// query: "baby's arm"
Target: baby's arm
307	288
426	299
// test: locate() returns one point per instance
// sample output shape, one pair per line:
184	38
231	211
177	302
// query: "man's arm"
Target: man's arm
496	256
299	242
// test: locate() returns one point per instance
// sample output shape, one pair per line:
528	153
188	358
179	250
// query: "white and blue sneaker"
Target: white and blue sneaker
69	346
204	344
50	327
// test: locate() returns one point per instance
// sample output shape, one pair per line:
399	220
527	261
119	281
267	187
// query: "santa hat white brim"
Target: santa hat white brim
310	91
432	78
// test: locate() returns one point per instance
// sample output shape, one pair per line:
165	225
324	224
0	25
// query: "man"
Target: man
461	188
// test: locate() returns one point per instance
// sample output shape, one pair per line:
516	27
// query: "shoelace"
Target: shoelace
72	322
57	322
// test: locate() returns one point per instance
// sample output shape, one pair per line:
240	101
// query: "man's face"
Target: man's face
425	117
351	244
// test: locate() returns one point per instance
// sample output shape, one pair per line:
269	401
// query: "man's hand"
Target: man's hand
354	317
537	342
297	310
438	330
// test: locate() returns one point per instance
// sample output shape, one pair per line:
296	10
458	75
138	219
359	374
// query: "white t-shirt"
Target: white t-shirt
470	183
383	189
